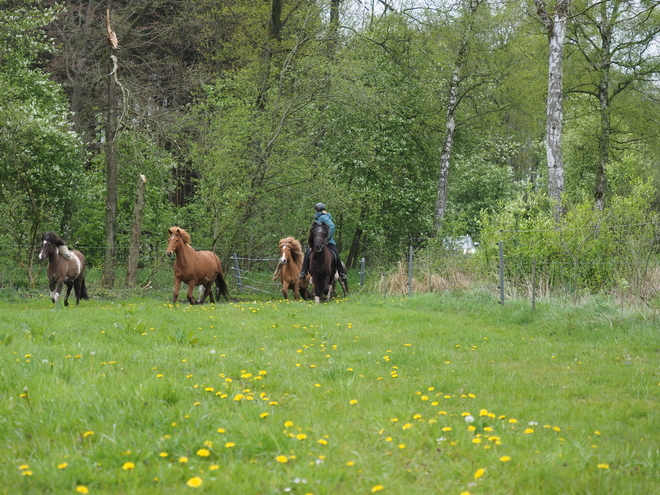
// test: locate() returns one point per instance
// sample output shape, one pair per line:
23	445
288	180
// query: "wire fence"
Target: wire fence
501	262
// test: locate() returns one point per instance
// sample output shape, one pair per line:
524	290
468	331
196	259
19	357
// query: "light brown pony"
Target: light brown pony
195	268
64	267
288	269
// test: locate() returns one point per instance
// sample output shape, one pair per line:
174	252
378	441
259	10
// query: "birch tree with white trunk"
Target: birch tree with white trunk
555	20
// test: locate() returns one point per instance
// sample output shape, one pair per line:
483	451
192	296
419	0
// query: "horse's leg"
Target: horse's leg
191	289
285	289
208	289
69	285
177	284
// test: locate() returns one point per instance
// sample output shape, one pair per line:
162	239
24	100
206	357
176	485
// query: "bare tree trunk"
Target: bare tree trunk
605	30
452	105
555	24
108	279
134	249
445	158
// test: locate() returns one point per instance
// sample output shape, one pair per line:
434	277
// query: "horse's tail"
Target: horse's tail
83	290
221	287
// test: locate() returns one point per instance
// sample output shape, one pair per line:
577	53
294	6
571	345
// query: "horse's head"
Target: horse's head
50	243
318	236
285	252
176	236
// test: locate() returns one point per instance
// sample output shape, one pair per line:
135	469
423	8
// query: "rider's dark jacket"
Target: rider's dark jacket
326	218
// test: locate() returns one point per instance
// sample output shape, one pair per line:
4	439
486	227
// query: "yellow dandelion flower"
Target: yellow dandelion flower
282	459
407	426
229	445
378	488
263	415
128	466
447	428
203	452
352	402
350	463
288	424
27	472
505	458
163	454
183	460
528	431
476	440
213	467
82	489
195	482
603	466
221	430
513	421
62	465
479	473
87	433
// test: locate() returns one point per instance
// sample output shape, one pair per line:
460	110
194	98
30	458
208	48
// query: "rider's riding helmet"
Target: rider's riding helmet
319	207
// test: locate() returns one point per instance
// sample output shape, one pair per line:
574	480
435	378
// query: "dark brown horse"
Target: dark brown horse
288	269
322	263
64	267
195	268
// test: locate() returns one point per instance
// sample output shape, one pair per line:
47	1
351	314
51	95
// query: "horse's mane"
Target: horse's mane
315	226
54	238
185	236
296	249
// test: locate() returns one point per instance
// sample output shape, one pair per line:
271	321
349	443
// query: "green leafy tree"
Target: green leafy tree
40	156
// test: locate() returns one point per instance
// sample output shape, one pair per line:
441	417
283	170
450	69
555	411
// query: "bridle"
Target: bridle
320	239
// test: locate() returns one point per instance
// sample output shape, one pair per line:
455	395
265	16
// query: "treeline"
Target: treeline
408	119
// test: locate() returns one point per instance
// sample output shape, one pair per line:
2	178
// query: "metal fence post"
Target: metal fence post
362	272
410	270
533	285
237	269
501	244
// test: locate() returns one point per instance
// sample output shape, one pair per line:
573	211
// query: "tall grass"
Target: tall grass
437	393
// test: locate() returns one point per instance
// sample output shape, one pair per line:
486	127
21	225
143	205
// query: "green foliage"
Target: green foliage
588	250
40	158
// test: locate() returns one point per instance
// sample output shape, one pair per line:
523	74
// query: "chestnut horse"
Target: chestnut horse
195	268
322	263
64	267
288	269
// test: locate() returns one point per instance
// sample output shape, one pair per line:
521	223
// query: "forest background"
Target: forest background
411	120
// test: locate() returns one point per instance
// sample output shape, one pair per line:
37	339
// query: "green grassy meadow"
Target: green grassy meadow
432	394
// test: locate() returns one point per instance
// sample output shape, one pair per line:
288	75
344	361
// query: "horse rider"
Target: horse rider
321	215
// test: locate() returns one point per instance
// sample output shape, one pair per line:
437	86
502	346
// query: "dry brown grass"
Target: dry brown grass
397	283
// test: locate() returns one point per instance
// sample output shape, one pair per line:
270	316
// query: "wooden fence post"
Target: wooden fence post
134	249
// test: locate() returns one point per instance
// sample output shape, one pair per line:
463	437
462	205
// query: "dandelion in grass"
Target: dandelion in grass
127	466
163	454
353	402
183	460
282	459
377	488
301	436
479	473
288	424
82	489
229	445
447	428
407	426
27	472
263	415
528	431
213	467
195	482
505	458
513	421
323	441
469	419
203	452
88	433
603	466
62	465
220	430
